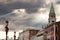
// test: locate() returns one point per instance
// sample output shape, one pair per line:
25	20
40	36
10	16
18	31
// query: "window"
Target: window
56	29
52	21
56	37
49	31
46	32
45	39
52	38
48	38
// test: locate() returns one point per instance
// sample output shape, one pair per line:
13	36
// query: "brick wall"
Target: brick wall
32	33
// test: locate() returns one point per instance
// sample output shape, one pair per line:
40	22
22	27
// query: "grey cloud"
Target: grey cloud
20	22
58	2
3	9
29	8
6	8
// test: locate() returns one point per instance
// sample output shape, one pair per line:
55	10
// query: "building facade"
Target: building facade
52	30
38	36
27	34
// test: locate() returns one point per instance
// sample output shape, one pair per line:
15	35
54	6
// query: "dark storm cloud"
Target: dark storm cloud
29	7
58	2
3	9
17	5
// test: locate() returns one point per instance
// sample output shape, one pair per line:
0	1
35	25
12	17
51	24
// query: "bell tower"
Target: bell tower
52	16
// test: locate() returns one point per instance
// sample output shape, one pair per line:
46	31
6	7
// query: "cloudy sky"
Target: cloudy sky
23	14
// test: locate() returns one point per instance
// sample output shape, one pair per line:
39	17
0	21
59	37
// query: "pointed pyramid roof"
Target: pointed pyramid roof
52	11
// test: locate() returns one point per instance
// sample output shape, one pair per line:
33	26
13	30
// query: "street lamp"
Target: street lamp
6	29
14	35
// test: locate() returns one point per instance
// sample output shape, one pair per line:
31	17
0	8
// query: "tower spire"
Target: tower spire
52	18
52	11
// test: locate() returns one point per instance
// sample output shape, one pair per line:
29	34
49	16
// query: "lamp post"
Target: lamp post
14	35
6	28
